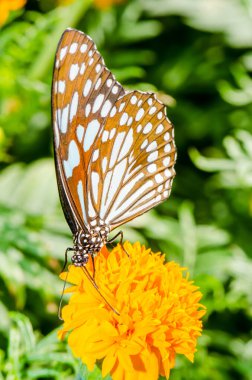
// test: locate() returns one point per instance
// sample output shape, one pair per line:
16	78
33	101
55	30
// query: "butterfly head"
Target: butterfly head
88	243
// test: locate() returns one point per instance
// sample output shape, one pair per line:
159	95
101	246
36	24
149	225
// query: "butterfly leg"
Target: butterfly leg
120	233
65	262
92	257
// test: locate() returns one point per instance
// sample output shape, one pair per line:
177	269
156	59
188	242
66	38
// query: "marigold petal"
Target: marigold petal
108	363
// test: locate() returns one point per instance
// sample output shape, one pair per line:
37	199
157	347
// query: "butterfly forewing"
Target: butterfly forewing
132	166
114	151
83	93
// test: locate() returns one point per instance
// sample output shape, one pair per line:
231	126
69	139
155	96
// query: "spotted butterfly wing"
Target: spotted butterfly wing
114	150
81	86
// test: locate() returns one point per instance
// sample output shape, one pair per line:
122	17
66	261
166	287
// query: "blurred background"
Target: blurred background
197	54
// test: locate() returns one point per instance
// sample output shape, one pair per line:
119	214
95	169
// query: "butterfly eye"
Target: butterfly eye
81	238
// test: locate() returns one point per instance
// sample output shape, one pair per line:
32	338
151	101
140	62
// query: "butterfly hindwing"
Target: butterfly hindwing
132	165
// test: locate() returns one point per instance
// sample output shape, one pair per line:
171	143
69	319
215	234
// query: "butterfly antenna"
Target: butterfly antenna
90	278
61	298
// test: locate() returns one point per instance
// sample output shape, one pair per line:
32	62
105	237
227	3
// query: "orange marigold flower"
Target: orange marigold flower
104	4
160	314
9	5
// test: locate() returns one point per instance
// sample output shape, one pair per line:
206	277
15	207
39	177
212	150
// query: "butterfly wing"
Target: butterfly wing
83	93
134	167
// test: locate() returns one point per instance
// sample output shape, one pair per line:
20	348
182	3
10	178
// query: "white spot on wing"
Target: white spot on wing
63	52
124	192
91	133
82	69
61	86
81	199
166	193
124	118
153	156
98	68
64	119
87	109
166	161
158	178
152	110
167	173
80	132
128	202
113	186
74	105
113	112
56	133
160	128
167	136
97	84
144	144
83	48
105	136
152	146
139	114
109	82
106	186
147	128
152	168
98	102
121	107
116	148
87	87
104	164
115	89
167	148
73	48
133	99
91	210
95	178
139	128
73	159
74	70
129	122
112	133
106	108
126	145
95	155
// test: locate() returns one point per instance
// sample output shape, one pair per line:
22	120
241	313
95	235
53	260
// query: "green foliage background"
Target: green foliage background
198	55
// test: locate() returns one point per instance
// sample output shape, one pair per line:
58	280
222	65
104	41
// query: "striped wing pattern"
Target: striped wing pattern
115	151
133	160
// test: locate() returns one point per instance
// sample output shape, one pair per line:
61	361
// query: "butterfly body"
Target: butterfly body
114	149
86	244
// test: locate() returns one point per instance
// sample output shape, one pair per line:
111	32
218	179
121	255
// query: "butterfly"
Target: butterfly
114	149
